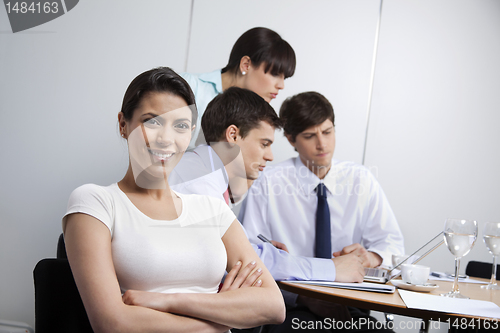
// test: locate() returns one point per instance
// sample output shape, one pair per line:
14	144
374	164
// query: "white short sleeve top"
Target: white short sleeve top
185	255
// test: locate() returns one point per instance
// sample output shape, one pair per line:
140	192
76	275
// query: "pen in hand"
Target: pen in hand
278	245
264	239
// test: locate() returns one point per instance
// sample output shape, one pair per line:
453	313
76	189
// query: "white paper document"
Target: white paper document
364	286
470	307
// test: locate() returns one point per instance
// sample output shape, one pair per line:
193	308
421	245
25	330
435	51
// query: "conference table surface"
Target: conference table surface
392	303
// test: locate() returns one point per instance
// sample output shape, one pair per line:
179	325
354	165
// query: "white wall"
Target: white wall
432	125
333	41
61	89
434	117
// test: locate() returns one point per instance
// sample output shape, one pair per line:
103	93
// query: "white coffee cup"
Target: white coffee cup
415	274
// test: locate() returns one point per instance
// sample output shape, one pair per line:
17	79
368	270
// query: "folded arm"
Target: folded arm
241	307
88	245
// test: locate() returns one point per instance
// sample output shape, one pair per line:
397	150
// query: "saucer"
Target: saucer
415	287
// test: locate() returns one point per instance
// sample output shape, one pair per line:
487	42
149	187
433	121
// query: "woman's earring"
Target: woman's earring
243	73
123	135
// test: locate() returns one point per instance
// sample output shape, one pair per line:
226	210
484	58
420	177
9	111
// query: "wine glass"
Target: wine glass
459	236
491	237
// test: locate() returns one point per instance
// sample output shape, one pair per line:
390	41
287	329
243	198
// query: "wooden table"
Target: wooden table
392	303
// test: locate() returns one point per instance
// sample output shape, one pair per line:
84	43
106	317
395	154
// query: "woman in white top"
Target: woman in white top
147	259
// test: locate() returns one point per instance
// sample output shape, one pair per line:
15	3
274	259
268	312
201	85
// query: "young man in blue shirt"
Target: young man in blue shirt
239	127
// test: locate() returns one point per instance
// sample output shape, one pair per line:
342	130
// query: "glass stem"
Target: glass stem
457	268
494	271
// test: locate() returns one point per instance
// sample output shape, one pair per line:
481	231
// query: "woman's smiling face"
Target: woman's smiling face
158	134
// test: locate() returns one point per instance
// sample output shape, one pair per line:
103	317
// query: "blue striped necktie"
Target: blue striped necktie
323	246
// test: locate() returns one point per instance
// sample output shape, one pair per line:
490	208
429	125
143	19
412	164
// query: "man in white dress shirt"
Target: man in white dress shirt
239	125
282	204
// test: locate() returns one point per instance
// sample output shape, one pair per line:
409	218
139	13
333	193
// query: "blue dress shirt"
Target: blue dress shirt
207	180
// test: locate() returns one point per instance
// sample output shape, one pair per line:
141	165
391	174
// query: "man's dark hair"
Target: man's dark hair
263	45
304	110
236	106
161	79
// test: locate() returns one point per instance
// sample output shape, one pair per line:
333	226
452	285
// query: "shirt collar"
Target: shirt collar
214	78
211	160
218	164
309	181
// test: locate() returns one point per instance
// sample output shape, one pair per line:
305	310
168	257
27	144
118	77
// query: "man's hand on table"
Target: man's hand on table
368	259
348	268
349	262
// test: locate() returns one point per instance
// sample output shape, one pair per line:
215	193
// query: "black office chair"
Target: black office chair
61	248
58	306
481	269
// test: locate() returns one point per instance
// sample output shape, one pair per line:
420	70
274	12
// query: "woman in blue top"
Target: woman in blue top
259	61
148	259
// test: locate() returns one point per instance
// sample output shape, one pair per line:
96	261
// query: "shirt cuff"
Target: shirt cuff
322	269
